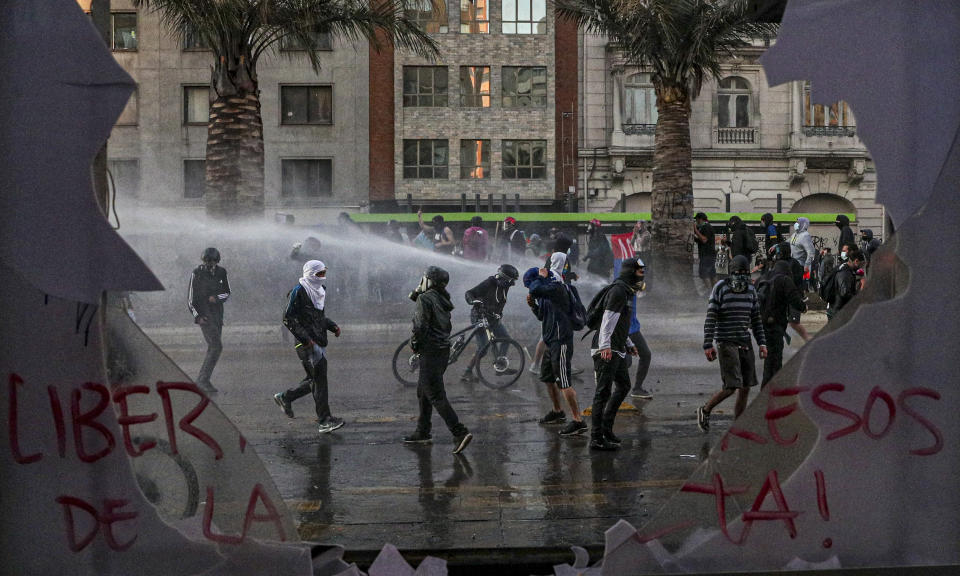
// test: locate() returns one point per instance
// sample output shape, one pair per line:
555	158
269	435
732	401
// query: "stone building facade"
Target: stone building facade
314	123
756	148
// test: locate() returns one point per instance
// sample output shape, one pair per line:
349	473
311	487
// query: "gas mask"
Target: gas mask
739	282
424	285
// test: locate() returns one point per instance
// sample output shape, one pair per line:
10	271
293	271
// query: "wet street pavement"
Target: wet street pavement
517	485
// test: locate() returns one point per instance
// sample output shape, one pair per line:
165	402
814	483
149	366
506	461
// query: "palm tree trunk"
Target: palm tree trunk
234	170
672	194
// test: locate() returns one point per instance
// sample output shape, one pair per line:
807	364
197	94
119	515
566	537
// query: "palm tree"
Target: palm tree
239	32
682	43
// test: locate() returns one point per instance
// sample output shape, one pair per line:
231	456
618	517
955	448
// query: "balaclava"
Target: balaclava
557	261
739	274
628	274
313	285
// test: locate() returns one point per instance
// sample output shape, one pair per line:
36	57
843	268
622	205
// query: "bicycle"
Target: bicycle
496	371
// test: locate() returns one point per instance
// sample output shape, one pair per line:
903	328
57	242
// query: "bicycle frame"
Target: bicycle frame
473	329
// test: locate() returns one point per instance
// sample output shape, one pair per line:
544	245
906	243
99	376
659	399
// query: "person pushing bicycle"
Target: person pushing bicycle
488	299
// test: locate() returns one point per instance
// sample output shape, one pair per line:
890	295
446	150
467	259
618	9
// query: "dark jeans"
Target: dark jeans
315	365
643	359
606	403
774	360
211	333
431	394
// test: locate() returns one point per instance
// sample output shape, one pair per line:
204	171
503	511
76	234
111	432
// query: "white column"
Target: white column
619	139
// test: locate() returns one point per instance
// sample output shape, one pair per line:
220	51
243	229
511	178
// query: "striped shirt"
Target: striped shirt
730	316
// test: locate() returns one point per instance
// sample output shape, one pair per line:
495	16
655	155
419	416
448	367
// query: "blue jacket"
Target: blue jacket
634	323
552	309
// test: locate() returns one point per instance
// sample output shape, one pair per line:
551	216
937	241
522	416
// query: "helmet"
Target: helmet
508	272
510	220
211	253
437	276
596	222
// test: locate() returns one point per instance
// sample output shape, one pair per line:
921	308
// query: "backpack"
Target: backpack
828	286
594	314
578	314
765	292
752	245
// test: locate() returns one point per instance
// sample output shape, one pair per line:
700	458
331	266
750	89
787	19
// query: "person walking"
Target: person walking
801	246
488	299
475	240
599	254
733	312
846	238
847	281
706	249
431	340
307	320
611	344
782	296
207	292
514	240
644	355
771	236
742	241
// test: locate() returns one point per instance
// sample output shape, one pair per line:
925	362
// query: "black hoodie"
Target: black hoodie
784	295
431	321
846	234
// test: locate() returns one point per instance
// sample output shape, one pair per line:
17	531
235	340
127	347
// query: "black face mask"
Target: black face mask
739	281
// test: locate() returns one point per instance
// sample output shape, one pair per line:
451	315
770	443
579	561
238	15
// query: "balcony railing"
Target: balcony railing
632	129
736	135
830	131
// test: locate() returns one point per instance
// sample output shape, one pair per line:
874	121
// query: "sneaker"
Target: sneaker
468	377
609	436
641	393
283	404
418	438
603	444
703	420
534	369
460	442
574	428
330	424
553	417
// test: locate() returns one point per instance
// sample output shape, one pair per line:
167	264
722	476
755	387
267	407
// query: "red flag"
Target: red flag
621	245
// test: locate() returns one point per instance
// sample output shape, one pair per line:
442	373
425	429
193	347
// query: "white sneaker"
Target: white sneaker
332	423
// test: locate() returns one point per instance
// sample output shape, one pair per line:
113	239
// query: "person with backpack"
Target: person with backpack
514	240
801	245
551	301
771	235
828	262
742	241
207	292
305	317
599	254
475	241
781	301
610	346
431	340
733	312
488	299
841	286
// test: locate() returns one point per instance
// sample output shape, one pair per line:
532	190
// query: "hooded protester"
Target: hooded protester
475	241
706	249
206	294
550	300
846	237
306	319
514	239
770	233
742	242
599	254
733	312
431	340
534	246
782	296
801	245
488	299
868	244
611	344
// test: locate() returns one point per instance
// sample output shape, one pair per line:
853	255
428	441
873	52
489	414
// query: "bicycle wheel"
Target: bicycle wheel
406	364
500	363
167	480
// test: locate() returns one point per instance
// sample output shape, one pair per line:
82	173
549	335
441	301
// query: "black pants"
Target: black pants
212	331
608	373
774	360
315	365
643	358
431	394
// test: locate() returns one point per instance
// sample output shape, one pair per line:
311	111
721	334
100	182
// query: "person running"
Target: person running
706	249
307	320
206	294
488	299
431	340
549	299
609	349
733	312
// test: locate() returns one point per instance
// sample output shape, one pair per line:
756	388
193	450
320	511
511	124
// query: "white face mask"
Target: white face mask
796	226
843	255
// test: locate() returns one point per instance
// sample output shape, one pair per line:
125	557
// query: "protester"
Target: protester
394	233
828	262
549	298
206	294
475	240
847	281
514	240
846	234
706	248
599	254
771	236
535	247
741	242
438	233
488	299
641	239
609	349
868	245
431	340
801	246
733	312
781	300
306	319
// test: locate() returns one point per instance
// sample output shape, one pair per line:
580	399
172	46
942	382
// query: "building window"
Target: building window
194	178
524	16
524	159
125	177
196	105
124	30
192	40
321	41
474	18
306	178
431	19
424	85
640	104
426	159
475	86
475	159
820	120
306	105
524	87
129	115
733	100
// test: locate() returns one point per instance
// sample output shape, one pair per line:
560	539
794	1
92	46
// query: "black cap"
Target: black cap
700	216
739	264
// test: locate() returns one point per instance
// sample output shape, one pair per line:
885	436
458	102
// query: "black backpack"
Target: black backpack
752	245
765	297
828	286
595	309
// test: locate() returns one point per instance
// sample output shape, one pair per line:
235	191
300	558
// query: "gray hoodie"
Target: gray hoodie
801	244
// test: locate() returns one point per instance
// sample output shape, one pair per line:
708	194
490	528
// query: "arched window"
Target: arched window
639	104
733	103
